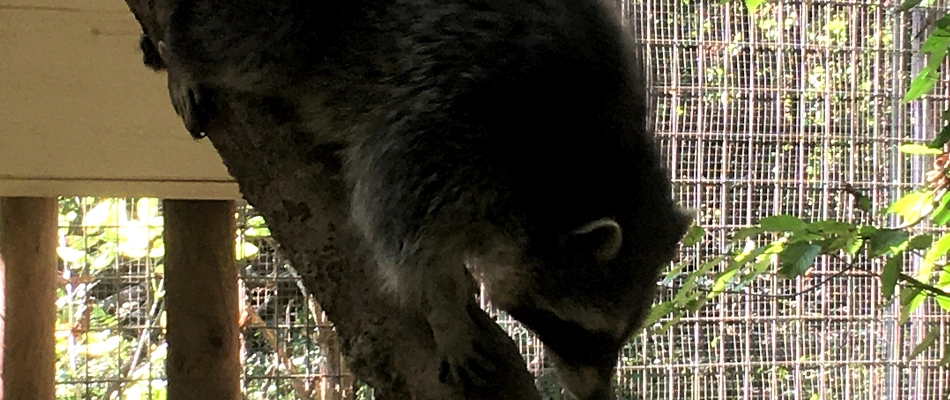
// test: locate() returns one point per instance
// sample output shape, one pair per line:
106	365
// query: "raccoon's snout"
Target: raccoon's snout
585	382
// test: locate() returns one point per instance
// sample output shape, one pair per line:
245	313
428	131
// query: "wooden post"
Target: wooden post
201	301
28	273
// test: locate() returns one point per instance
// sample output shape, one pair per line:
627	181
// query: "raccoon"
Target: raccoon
504	140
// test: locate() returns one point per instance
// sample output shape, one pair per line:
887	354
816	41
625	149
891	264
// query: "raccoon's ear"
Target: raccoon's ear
603	237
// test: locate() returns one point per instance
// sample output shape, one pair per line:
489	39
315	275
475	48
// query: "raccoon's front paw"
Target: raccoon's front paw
186	96
467	357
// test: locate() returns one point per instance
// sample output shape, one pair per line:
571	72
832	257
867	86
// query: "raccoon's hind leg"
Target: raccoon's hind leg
440	289
449	297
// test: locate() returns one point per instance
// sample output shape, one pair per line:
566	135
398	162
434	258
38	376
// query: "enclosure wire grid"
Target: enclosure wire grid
776	112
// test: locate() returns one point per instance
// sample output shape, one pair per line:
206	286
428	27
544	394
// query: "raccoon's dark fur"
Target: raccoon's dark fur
510	138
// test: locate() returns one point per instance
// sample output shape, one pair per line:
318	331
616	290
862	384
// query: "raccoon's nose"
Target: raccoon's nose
586	382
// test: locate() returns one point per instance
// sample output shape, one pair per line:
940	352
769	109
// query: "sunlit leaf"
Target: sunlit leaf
158	248
146	209
922	84
937	250
70	255
919	149
256	221
721	282
105	257
95	218
937	42
104	348
912	205
245	250
854	245
753	4
264	232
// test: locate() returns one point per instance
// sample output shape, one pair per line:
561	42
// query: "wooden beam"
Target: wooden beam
82	115
28	271
201	300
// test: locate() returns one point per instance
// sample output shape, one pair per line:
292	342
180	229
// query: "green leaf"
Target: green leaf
921	242
922	84
695	304
746	232
694	235
908	4
830	226
937	42
782	223
890	274
911	299
797	258
674	273
658	312
919	149
886	241
942	138
941	214
925	343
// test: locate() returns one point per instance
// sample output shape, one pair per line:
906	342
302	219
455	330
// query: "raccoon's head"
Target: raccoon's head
593	292
584	358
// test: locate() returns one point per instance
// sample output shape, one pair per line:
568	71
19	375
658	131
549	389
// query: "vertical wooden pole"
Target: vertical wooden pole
28	270
201	300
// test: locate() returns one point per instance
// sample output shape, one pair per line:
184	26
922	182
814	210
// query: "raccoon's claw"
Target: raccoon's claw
185	95
187	103
466	359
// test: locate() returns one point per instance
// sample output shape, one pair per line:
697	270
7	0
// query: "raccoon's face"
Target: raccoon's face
593	296
584	358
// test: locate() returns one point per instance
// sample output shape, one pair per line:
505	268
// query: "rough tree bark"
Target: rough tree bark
296	184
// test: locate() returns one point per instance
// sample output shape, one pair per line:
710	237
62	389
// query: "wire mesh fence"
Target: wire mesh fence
791	110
